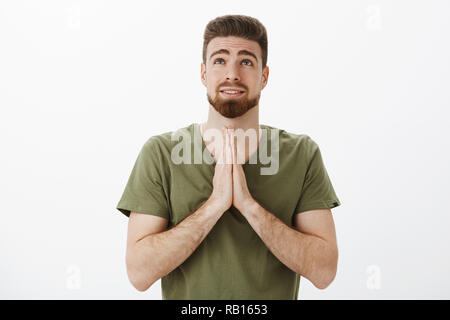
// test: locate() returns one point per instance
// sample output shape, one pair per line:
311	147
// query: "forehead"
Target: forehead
233	44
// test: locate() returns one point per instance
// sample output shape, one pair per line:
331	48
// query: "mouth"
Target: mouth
230	93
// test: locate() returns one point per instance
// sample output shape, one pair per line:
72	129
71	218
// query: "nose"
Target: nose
233	73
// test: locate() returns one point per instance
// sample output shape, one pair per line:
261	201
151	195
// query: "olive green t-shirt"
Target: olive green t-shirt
232	262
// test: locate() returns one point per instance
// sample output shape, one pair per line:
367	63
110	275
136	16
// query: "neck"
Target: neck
249	120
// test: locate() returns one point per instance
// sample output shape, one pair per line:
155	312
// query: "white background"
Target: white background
83	84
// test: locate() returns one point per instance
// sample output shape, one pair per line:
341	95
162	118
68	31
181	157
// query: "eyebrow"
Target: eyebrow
240	53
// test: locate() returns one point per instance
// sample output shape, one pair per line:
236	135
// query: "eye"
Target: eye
251	63
219	59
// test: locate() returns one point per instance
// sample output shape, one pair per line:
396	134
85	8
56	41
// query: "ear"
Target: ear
203	74
265	77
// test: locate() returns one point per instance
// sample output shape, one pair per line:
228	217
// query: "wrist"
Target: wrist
214	206
248	206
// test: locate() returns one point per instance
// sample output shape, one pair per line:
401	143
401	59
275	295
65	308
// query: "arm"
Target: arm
153	253
310	249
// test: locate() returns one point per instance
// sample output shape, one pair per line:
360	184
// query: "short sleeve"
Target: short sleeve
144	192
317	191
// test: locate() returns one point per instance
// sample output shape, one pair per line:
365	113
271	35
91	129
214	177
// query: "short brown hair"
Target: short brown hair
239	26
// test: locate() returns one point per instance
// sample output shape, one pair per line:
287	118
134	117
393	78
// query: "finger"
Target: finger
229	146
238	171
234	148
222	147
230	156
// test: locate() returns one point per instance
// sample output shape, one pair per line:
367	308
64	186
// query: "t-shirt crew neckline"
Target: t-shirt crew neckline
255	154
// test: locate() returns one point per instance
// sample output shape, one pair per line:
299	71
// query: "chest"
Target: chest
191	185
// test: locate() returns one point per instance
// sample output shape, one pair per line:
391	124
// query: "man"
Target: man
223	229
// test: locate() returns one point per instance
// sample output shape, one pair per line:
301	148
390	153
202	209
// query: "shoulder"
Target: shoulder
300	143
163	143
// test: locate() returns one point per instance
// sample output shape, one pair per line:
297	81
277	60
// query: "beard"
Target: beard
232	108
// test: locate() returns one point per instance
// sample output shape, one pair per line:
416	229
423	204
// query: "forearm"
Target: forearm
307	255
158	254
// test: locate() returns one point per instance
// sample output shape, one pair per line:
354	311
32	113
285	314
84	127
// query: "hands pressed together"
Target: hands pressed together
229	183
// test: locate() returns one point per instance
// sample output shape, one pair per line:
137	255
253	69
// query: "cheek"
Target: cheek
213	80
216	74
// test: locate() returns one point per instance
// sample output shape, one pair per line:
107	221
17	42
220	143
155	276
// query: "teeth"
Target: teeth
231	91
